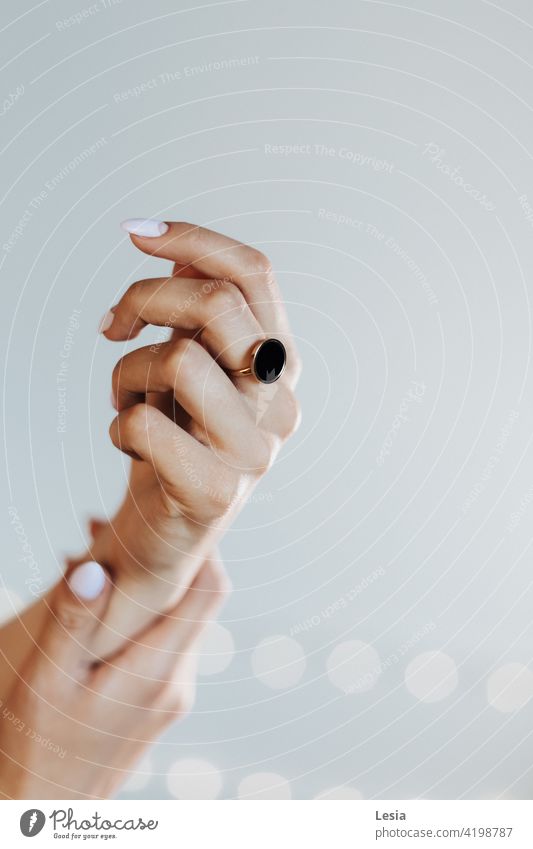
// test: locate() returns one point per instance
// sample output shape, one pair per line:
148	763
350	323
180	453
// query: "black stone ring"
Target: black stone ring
267	362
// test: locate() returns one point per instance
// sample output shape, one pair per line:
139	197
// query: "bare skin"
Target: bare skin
98	680
199	439
72	726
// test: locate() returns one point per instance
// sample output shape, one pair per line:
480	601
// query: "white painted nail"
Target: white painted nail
87	581
144	226
106	322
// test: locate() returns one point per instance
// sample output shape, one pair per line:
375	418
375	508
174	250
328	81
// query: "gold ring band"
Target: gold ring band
240	372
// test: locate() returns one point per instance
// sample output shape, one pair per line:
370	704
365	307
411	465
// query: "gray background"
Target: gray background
389	550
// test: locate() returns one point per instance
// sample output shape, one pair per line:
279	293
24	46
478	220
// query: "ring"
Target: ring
267	362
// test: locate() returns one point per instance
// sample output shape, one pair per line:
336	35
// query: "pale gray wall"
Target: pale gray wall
429	524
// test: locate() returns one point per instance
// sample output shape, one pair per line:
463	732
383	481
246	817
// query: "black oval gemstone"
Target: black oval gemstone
269	361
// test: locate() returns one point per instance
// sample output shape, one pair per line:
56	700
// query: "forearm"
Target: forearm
18	638
141	594
98	719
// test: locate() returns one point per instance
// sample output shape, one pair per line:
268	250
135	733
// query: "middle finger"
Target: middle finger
215	310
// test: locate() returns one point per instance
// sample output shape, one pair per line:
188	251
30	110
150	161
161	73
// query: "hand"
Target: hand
200	439
70	726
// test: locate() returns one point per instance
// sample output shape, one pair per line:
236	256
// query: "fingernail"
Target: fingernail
87	581
144	226
106	322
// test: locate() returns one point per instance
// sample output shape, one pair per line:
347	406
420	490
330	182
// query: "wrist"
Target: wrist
129	544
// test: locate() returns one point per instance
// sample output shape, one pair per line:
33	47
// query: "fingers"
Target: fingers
177	632
217	256
230	312
214	310
188	471
75	610
200	387
165	652
95	526
200	605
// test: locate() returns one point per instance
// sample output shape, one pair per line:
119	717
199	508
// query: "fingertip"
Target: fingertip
95	526
144	228
88	581
118	440
75	611
124	334
106	322
114	432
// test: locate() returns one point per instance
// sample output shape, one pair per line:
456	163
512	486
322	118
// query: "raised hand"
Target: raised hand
199	437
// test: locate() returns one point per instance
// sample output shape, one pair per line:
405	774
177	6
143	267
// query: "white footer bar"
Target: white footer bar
268	824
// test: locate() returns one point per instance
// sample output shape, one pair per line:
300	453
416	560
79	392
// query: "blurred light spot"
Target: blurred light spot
353	666
510	687
264	785
431	676
342	792
193	778
278	662
217	650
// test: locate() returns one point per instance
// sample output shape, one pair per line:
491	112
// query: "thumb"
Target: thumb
94	526
76	607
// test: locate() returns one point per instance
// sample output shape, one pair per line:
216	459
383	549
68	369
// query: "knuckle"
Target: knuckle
132	296
187	228
296	367
135	421
117	372
263	454
224	298
182	701
71	618
259	262
221	494
176	697
221	583
179	360
189	237
180	706
292	416
151	689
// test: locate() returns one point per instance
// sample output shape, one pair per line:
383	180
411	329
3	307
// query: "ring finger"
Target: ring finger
199	385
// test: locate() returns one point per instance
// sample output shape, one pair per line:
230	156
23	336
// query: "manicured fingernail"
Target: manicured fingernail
144	226
106	322
87	581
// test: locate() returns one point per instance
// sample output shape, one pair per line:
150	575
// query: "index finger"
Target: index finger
75	609
216	256
171	639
